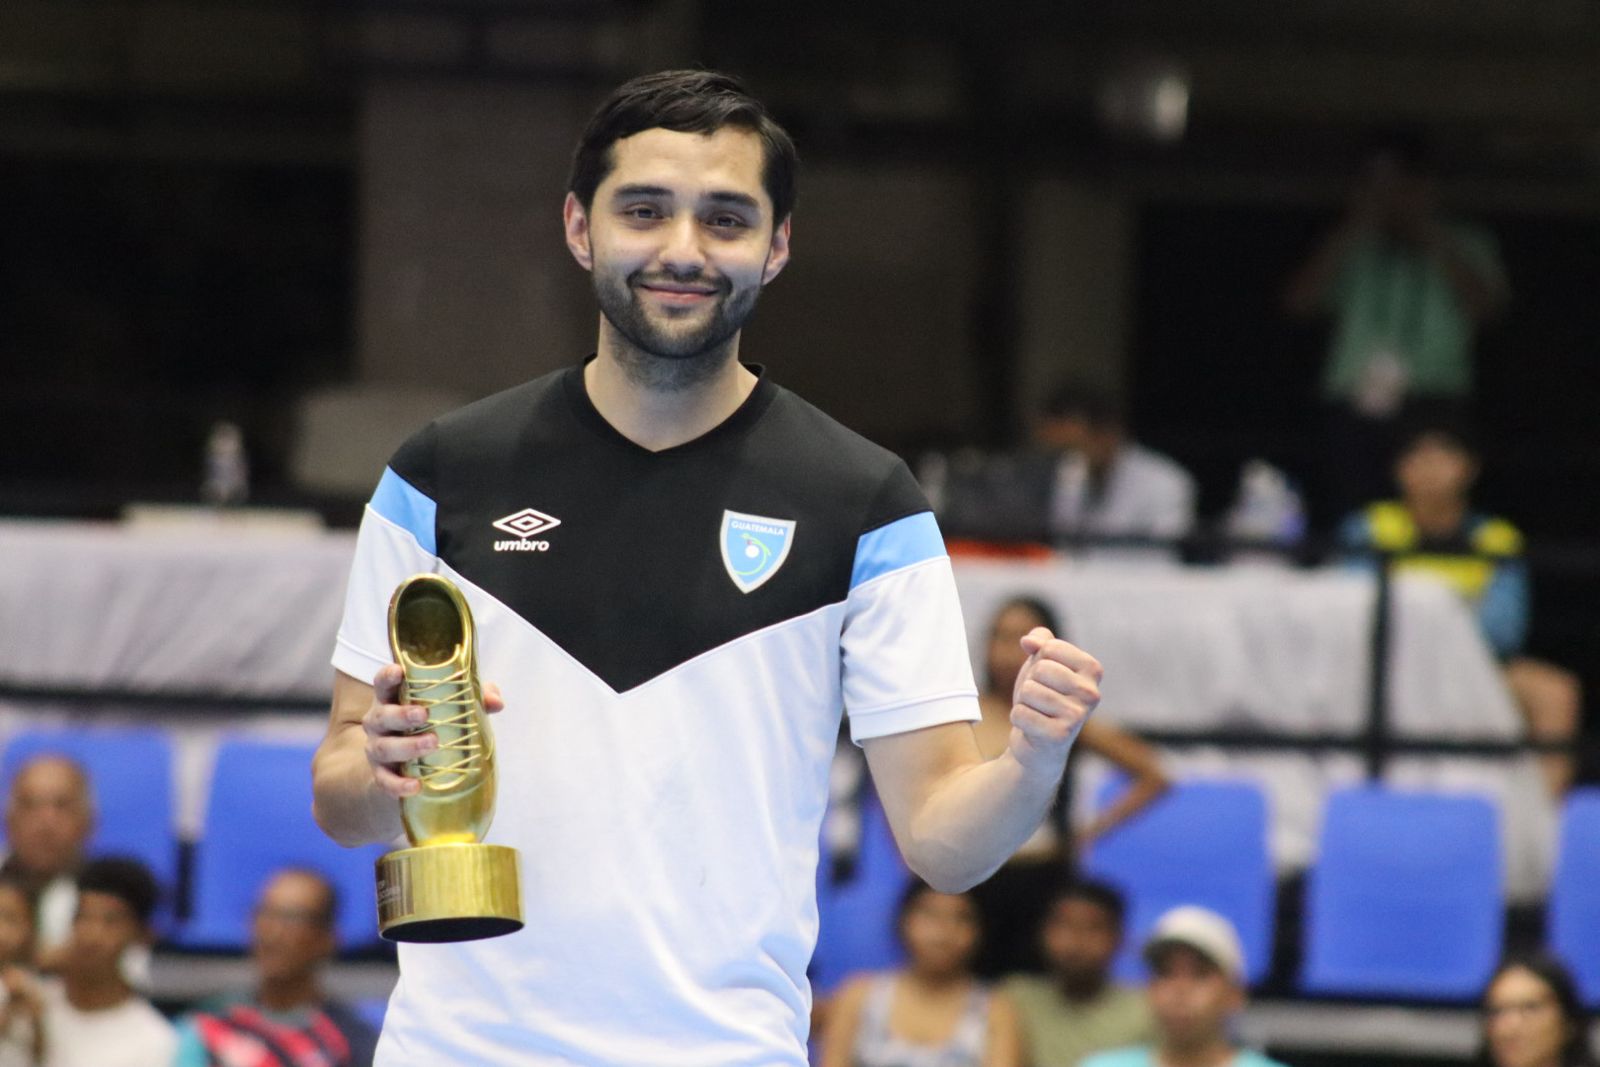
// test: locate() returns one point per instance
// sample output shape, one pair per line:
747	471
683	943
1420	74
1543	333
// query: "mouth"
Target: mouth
679	294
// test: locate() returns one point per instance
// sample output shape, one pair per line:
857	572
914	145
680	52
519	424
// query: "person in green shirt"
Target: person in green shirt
1407	289
1076	1009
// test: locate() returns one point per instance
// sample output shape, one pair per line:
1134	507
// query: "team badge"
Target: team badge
754	547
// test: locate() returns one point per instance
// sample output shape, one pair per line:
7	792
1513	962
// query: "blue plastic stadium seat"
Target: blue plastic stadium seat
258	821
1204	842
1406	898
130	773
1574	911
857	917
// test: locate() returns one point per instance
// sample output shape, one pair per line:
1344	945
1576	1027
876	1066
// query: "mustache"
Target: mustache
638	278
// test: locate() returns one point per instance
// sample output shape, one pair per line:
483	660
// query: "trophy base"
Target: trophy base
448	893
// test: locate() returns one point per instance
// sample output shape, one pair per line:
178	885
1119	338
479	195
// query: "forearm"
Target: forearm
975	818
347	802
1478	293
1133	800
1310	284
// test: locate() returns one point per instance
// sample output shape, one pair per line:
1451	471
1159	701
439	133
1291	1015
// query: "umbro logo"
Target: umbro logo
525	524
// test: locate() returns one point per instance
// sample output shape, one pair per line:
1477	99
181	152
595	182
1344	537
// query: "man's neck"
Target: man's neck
658	412
1216	1052
96	994
287	994
1080	991
1438	517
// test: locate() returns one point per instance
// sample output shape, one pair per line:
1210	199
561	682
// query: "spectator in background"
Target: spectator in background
1436	532
92	1014
49	818
1076	1009
1407	289
21	1043
932	1013
1013	900
1107	485
1196	988
1532	1017
287	1020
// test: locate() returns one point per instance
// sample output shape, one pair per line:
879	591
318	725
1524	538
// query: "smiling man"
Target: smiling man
719	572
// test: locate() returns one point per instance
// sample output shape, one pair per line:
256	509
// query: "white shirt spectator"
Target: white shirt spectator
1145	495
132	1034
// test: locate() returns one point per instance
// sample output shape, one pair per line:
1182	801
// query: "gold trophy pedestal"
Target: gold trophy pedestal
456	892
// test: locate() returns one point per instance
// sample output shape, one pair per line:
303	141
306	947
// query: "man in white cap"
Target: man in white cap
1196	988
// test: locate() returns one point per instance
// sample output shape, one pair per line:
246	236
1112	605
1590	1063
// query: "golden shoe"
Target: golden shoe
448	886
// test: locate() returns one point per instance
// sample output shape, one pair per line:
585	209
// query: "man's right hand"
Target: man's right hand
394	733
357	775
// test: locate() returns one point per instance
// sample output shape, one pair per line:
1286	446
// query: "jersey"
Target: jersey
676	635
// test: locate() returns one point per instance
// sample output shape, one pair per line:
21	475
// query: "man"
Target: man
1196	989
92	1015
1107	485
287	1021
1076	1009
1407	290
718	569
49	818
1433	529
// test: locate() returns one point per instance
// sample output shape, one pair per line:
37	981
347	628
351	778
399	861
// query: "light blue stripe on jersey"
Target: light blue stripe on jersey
404	505
901	543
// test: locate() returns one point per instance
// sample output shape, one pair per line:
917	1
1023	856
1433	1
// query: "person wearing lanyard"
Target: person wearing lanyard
1407	290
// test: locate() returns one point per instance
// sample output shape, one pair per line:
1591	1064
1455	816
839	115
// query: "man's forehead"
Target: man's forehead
731	159
294	886
53	773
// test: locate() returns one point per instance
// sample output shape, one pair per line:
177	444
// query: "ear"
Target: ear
575	220
777	252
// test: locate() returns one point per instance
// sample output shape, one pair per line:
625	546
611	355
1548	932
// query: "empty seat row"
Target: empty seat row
1405	900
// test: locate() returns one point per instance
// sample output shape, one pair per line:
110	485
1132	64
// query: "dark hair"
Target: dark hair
914	891
1408	148
1083	400
1046	615
328	914
1549	970
1102	895
687	101
1454	432
13	880
124	878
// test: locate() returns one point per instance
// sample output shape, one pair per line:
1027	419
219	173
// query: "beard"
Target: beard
672	354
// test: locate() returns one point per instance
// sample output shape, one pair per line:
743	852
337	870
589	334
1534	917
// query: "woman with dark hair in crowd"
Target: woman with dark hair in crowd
1012	901
933	1012
1532	1016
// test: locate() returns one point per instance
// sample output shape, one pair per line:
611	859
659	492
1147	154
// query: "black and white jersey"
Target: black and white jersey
676	634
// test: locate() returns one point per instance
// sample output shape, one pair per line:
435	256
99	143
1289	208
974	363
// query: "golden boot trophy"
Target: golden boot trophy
449	885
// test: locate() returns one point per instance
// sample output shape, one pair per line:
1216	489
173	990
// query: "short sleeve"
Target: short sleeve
903	647
398	539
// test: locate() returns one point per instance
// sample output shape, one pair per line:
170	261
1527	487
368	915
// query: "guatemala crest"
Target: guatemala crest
754	547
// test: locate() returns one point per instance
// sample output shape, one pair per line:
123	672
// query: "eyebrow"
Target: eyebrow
623	192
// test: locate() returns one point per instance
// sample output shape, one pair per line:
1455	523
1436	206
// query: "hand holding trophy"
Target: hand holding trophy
449	885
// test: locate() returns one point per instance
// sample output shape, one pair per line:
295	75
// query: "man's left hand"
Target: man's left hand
1056	690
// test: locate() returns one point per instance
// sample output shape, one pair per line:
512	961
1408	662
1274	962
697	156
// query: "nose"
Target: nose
683	254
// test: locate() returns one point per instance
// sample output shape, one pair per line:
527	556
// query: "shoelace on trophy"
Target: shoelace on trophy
468	747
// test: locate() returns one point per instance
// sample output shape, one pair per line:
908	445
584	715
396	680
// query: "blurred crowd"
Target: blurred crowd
76	935
936	1010
1406	288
